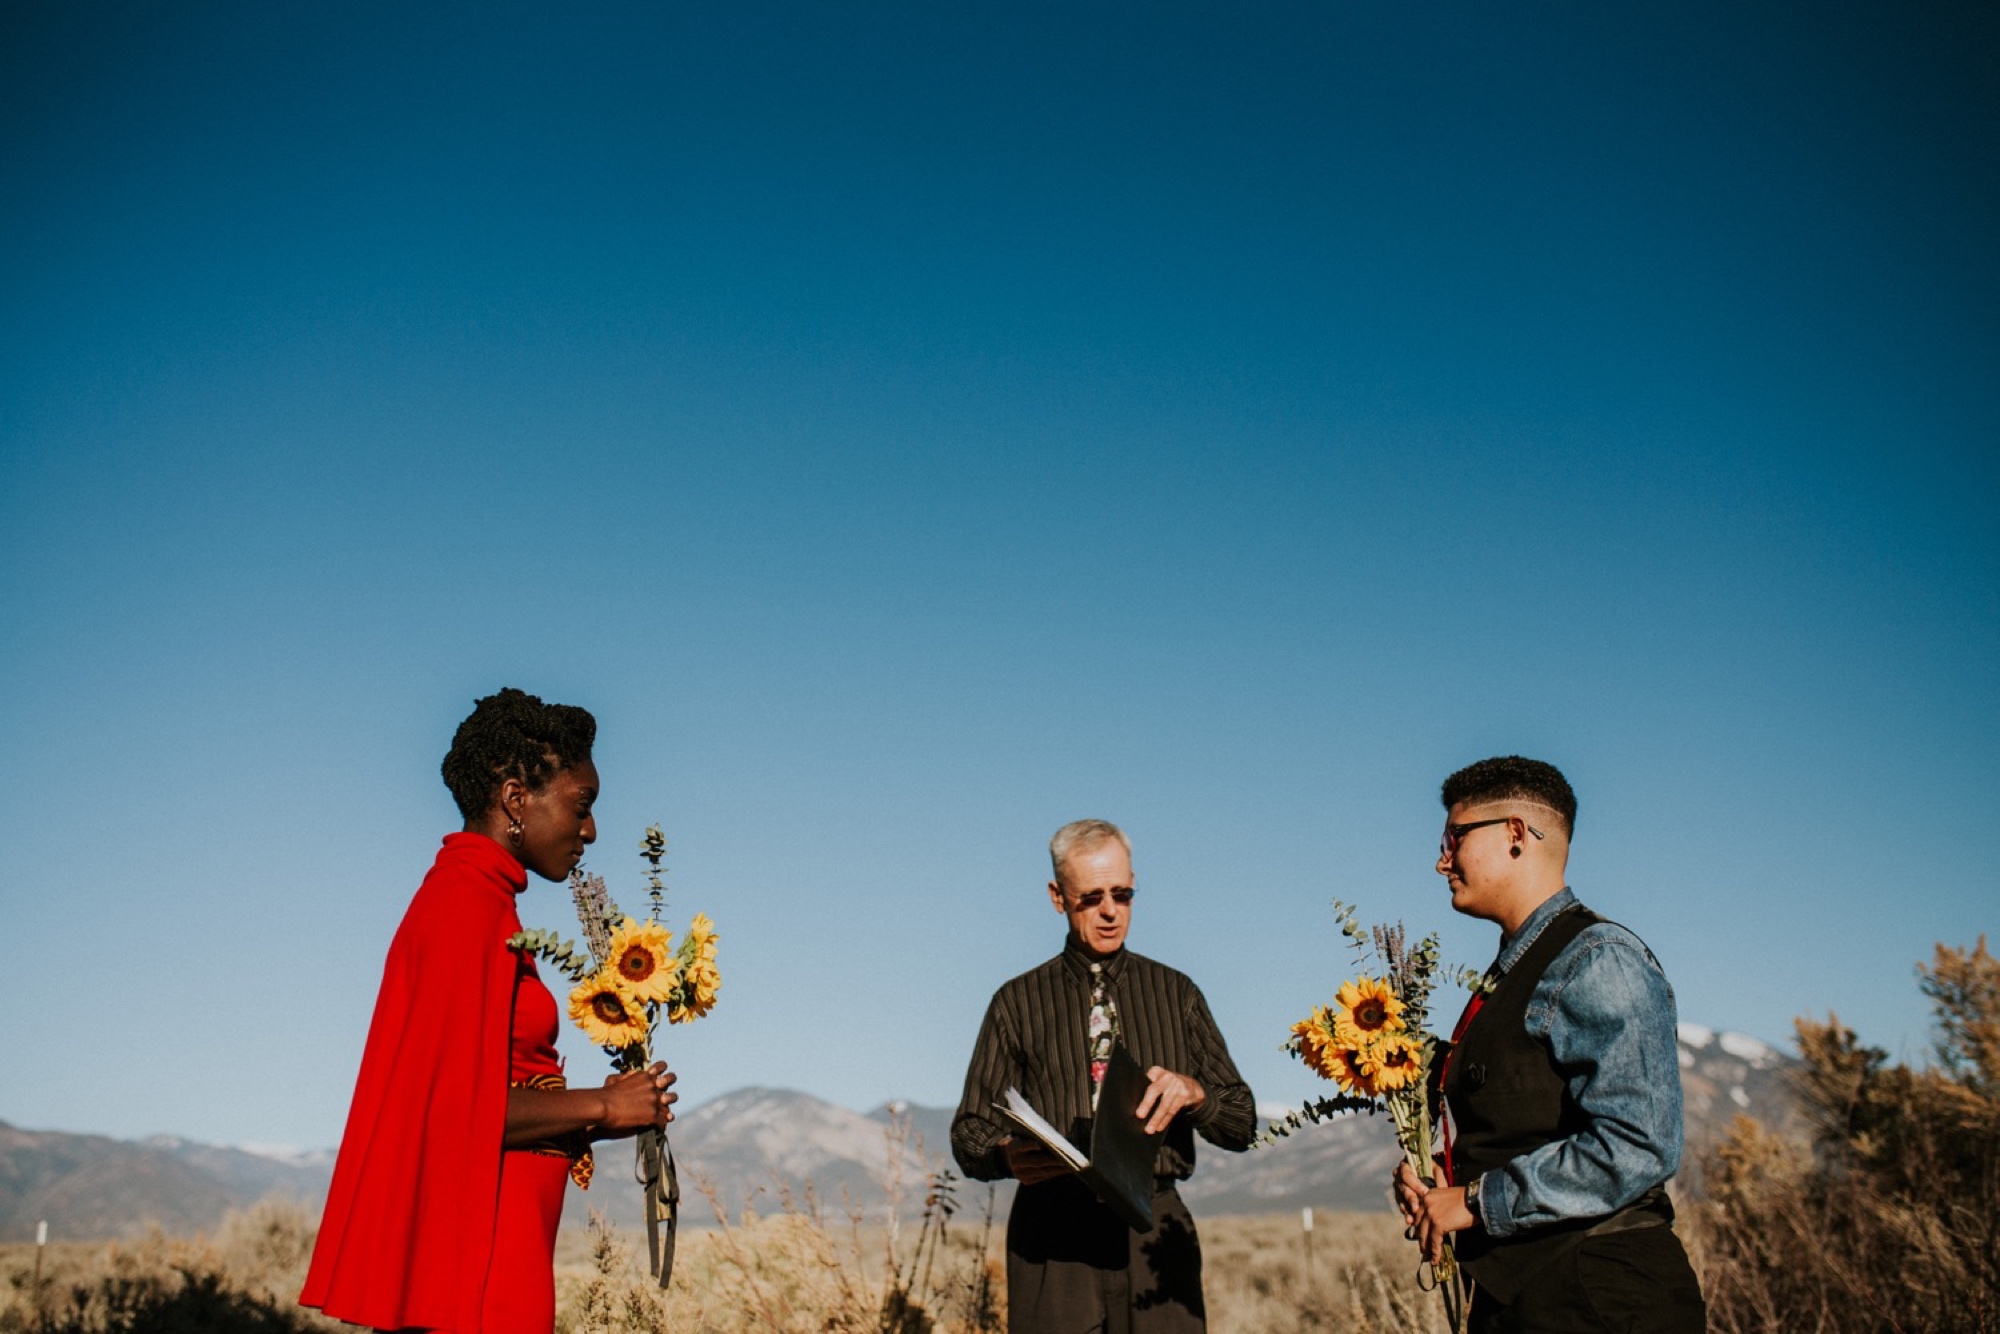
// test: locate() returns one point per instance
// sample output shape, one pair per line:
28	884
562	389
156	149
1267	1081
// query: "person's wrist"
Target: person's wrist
1472	1198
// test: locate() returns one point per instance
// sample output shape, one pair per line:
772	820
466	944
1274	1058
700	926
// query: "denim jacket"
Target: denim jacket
1606	1014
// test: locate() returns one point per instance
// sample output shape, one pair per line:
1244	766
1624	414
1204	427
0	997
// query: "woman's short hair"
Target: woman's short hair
1513	778
513	735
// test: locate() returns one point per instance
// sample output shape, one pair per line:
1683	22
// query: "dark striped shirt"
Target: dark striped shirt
1033	1038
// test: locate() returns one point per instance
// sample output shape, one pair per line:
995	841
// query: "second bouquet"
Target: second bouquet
1374	1044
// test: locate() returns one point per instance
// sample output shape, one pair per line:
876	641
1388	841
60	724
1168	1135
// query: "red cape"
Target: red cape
408	1230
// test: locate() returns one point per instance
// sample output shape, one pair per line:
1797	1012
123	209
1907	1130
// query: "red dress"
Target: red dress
428	1224
520	1293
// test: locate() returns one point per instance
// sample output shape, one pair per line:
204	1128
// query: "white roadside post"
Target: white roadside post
1306	1230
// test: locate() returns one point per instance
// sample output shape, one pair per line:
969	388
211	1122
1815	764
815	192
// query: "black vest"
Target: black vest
1508	1098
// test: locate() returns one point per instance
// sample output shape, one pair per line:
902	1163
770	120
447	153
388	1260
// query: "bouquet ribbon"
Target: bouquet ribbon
662	1186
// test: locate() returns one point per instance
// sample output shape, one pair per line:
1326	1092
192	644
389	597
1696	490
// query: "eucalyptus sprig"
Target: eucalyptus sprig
1314	1111
540	941
653	847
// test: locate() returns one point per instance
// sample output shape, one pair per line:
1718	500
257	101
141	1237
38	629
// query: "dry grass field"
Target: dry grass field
800	1269
796	1268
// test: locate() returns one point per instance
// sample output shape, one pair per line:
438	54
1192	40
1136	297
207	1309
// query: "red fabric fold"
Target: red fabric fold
407	1236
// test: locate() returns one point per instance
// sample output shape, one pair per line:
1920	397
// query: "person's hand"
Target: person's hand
1030	1161
1167	1096
637	1099
1433	1213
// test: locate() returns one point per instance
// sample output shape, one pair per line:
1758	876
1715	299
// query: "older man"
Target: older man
1563	1085
1073	1264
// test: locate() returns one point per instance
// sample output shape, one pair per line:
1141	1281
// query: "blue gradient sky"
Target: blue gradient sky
909	427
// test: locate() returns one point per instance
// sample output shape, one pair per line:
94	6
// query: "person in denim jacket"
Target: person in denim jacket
1562	1086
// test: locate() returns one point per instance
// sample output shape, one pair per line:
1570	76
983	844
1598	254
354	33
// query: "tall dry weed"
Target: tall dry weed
1887	1215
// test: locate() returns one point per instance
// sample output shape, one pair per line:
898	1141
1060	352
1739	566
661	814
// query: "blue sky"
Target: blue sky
911	427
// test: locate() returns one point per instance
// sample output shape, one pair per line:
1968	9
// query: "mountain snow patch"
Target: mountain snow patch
1746	1048
1696	1035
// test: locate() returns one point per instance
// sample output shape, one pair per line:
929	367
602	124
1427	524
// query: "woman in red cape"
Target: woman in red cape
445	1198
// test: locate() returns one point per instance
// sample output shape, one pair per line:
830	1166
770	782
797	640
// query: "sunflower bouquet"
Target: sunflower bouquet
1372	1042
627	976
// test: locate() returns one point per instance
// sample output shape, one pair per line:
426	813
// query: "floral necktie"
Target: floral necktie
1102	1030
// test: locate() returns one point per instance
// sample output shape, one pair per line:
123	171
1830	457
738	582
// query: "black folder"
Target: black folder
1119	1168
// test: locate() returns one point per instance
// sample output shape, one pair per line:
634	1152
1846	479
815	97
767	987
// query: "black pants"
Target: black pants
1635	1281
1074	1267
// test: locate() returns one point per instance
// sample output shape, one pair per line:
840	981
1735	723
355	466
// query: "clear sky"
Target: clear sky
912	426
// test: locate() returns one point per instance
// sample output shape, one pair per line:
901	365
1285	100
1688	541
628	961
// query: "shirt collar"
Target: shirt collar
1514	946
1076	961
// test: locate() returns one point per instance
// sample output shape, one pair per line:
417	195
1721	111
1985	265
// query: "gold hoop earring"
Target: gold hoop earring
514	833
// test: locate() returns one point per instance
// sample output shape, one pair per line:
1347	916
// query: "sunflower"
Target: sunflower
1312	1041
1397	1060
603	1010
641	953
1350	1070
1367	1010
700	978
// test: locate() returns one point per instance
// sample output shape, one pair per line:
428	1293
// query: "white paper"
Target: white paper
1017	1107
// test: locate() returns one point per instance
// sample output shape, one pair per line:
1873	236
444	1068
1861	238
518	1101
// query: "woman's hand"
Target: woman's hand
1433	1213
627	1104
635	1100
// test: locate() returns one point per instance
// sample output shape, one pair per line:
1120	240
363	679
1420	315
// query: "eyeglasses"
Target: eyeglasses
1091	898
1454	834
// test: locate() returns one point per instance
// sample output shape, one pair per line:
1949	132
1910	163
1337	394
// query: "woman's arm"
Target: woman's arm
628	1103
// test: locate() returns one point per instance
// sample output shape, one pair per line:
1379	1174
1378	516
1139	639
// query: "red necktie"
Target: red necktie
1457	1032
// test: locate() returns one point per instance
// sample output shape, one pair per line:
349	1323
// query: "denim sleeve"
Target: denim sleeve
1606	1013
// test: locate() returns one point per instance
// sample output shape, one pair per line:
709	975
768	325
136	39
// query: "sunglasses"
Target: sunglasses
1091	898
1454	834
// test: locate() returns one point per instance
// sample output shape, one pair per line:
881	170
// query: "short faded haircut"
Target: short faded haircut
1513	778
1081	836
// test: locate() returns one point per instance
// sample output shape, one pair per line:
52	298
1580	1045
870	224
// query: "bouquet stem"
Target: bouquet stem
1413	1133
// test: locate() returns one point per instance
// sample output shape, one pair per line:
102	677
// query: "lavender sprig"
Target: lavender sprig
595	910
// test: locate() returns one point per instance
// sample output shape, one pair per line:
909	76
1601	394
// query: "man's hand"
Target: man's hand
1030	1161
1432	1212
1167	1096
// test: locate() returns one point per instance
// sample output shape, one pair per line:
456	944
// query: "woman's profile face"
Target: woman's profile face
556	824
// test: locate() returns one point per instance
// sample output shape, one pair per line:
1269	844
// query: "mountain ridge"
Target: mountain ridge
765	1149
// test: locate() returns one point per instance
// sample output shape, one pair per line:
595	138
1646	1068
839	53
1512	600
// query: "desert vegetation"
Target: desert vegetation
1880	1212
1884	1213
797	1267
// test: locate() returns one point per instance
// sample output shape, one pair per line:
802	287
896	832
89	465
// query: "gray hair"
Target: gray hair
1081	835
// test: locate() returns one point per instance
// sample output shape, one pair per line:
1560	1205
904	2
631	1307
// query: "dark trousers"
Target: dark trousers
1634	1281
1074	1267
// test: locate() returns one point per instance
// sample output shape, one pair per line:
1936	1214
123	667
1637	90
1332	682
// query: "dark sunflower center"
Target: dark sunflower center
637	965
609	1008
1371	1014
